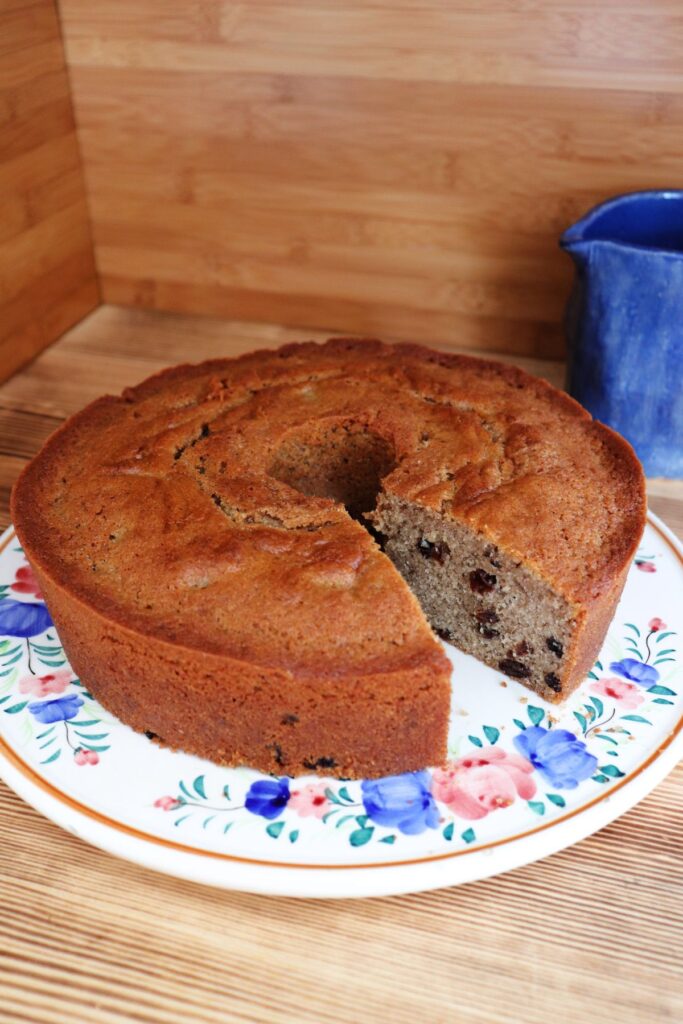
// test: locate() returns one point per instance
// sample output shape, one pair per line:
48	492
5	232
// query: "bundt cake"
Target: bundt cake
244	557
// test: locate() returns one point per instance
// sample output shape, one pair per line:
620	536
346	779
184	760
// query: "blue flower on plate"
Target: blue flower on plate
557	754
23	618
637	671
61	709
401	801
268	797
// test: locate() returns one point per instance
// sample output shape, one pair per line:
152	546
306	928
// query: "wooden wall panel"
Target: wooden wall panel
47	271
398	167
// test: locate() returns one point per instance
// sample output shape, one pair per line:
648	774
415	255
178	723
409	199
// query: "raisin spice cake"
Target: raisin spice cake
245	557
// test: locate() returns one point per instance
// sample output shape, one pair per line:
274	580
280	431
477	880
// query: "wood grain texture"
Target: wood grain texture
392	168
47	270
591	932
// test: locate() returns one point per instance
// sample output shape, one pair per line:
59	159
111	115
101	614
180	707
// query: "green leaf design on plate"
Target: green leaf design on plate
556	799
492	734
8	679
98	750
475	740
669	650
342	821
600	778
468	835
592	675
448	831
226	792
95	712
599	706
537	806
345	795
52	757
179	821
228	825
612	771
207	820
332	796
519	724
198	787
536	715
581	720
275	828
183	789
663	691
661	700
605	739
662	636
293	835
660	661
25	729
390	840
16	708
635	718
14	660
629	625
361	836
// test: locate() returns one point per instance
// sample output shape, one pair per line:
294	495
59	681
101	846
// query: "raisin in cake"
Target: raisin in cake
245	557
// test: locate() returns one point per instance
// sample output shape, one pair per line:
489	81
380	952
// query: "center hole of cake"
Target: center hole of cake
343	462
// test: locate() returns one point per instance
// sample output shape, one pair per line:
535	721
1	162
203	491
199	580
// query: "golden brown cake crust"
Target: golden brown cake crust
163	530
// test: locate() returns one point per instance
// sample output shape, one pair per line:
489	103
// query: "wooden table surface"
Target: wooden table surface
592	933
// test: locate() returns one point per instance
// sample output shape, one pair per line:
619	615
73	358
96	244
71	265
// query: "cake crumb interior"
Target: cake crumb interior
473	595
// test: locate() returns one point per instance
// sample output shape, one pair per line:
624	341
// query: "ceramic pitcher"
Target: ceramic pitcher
624	322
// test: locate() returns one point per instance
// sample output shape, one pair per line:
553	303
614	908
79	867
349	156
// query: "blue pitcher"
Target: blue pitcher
624	322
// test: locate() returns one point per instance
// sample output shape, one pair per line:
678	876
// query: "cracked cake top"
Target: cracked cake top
217	505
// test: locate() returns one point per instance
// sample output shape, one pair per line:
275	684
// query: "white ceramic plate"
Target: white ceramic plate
525	778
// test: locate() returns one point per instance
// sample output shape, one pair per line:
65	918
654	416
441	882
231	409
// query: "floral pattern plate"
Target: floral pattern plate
524	778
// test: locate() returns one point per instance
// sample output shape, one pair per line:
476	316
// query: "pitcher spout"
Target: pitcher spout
646	222
579	248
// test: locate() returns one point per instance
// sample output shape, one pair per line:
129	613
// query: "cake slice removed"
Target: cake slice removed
199	543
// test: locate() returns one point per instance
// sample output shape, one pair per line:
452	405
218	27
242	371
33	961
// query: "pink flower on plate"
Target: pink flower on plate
82	756
656	625
310	800
25	582
482	782
42	686
628	695
646	567
167	803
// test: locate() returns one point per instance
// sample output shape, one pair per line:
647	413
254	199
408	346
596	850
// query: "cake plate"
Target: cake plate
524	780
